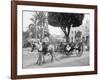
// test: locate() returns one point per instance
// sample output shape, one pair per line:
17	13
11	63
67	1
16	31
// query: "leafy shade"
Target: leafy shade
65	19
78	34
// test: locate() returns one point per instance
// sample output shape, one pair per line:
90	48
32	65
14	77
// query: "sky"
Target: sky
53	30
26	19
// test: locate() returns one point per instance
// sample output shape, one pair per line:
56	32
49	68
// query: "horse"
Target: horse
43	49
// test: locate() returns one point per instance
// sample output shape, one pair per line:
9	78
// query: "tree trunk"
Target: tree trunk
35	29
66	33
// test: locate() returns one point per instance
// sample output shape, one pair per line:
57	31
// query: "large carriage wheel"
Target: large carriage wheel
79	51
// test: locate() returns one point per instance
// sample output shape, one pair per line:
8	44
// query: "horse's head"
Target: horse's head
38	45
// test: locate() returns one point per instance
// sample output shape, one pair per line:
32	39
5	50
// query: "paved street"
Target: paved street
30	58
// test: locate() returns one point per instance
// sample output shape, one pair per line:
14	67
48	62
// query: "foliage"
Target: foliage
78	34
38	20
65	20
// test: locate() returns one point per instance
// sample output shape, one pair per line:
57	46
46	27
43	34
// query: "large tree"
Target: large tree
38	20
65	20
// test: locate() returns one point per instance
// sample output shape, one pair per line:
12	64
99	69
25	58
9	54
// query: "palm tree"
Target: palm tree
38	20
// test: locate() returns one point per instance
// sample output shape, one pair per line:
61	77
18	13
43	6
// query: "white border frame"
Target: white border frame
21	71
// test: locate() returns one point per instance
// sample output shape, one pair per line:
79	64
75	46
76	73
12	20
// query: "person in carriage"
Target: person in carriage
73	47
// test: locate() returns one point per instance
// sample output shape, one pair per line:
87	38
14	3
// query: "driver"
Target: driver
68	47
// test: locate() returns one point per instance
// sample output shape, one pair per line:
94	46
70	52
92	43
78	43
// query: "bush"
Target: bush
26	44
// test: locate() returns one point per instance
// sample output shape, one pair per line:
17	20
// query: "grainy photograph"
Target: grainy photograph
55	39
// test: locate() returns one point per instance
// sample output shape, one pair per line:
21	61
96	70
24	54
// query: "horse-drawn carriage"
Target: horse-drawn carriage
71	48
44	47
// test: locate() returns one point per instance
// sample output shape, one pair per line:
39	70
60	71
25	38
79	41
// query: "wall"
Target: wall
5	42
